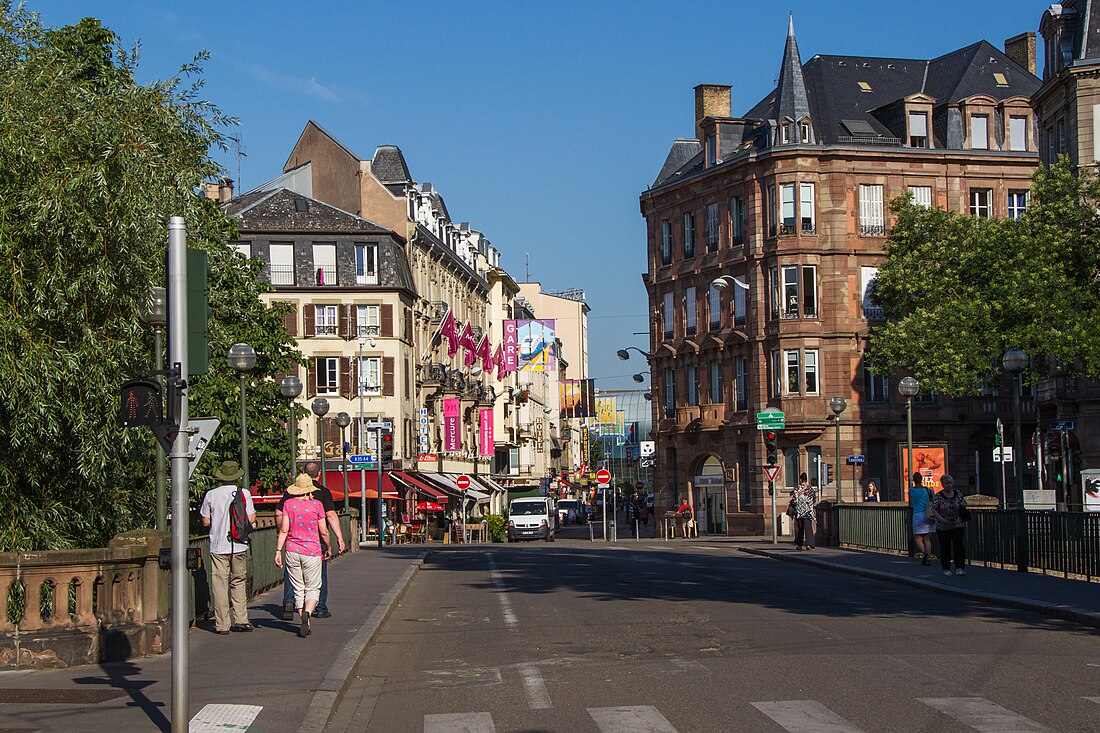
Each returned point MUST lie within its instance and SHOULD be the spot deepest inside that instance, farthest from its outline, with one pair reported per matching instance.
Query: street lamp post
(157, 317)
(909, 388)
(343, 419)
(838, 405)
(624, 354)
(1015, 361)
(290, 388)
(242, 358)
(320, 409)
(725, 281)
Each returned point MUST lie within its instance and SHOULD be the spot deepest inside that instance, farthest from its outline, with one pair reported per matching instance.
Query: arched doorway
(709, 495)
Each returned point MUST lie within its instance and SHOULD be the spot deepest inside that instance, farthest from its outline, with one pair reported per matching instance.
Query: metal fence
(1064, 543)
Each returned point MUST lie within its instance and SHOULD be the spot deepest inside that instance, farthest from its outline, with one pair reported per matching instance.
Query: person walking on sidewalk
(803, 500)
(323, 495)
(872, 492)
(301, 532)
(950, 510)
(228, 559)
(919, 496)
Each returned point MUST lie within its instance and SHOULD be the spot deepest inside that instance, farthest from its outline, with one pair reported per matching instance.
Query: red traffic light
(769, 435)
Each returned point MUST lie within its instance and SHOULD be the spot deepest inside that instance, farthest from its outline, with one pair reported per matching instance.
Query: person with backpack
(228, 512)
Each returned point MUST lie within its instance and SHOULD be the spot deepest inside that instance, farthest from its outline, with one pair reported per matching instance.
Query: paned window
(712, 150)
(367, 320)
(712, 227)
(325, 319)
(366, 264)
(282, 264)
(714, 306)
(740, 307)
(737, 220)
(689, 235)
(1017, 203)
(980, 202)
(790, 291)
(812, 386)
(867, 277)
(809, 291)
(877, 388)
(773, 214)
(670, 389)
(693, 385)
(715, 380)
(777, 373)
(668, 316)
(922, 196)
(786, 197)
(918, 130)
(689, 311)
(1052, 150)
(979, 132)
(370, 376)
(1061, 137)
(324, 262)
(806, 208)
(872, 221)
(666, 242)
(741, 374)
(790, 361)
(1017, 133)
(328, 375)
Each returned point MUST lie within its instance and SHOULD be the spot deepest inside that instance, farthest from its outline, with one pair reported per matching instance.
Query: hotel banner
(485, 433)
(452, 424)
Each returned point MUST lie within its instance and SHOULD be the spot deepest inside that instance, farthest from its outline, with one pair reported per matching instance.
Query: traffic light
(828, 473)
(387, 448)
(770, 447)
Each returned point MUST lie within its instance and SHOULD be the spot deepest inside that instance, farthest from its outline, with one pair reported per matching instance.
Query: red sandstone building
(792, 200)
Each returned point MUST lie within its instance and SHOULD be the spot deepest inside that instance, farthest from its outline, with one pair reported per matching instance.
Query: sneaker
(321, 614)
(924, 560)
(948, 573)
(288, 612)
(960, 571)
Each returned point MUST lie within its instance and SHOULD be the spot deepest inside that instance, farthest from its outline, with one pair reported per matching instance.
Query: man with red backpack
(228, 555)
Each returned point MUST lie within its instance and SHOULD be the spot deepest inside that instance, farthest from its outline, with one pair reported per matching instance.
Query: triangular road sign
(204, 429)
(771, 472)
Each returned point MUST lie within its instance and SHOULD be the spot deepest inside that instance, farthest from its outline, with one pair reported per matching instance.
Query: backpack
(239, 526)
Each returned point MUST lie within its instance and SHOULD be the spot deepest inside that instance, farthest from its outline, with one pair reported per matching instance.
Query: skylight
(301, 205)
(1000, 78)
(864, 86)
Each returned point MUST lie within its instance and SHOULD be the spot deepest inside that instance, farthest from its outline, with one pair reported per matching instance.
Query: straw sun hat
(302, 485)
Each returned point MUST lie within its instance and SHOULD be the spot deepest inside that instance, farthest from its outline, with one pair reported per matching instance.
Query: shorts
(922, 526)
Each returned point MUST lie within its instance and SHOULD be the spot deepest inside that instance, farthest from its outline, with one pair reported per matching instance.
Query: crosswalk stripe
(459, 723)
(805, 716)
(537, 696)
(983, 715)
(631, 719)
(1093, 699)
(689, 665)
(502, 594)
(221, 717)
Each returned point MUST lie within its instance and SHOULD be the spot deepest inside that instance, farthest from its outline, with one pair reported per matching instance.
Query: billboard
(605, 410)
(928, 458)
(1090, 489)
(535, 345)
(577, 398)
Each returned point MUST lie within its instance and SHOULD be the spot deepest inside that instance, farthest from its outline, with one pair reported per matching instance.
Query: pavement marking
(459, 723)
(220, 717)
(444, 678)
(631, 719)
(805, 716)
(689, 665)
(537, 696)
(1093, 699)
(502, 594)
(983, 715)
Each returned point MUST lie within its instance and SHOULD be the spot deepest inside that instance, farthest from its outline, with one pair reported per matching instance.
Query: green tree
(958, 291)
(92, 164)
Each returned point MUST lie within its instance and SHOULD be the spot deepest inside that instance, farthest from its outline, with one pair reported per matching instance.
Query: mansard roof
(283, 210)
(389, 166)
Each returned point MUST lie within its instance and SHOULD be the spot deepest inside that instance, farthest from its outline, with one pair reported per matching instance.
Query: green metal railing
(1066, 543)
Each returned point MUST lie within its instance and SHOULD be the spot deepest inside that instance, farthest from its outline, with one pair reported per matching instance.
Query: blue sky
(540, 123)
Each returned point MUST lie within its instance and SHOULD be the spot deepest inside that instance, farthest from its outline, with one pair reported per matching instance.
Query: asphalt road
(681, 638)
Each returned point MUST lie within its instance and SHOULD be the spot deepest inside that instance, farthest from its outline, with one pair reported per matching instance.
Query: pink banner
(511, 347)
(487, 447)
(452, 424)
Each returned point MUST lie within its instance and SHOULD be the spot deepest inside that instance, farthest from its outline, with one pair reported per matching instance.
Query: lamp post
(242, 358)
(909, 388)
(726, 280)
(290, 388)
(343, 419)
(1015, 361)
(156, 315)
(320, 409)
(624, 354)
(640, 376)
(838, 405)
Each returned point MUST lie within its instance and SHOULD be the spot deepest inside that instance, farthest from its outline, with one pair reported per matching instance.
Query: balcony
(325, 276)
(366, 278)
(808, 227)
(786, 229)
(437, 311)
(872, 230)
(874, 313)
(281, 274)
(369, 331)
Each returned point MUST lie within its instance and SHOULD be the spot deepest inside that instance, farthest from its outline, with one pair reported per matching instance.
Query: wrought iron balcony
(872, 230)
(281, 274)
(437, 311)
(786, 229)
(808, 227)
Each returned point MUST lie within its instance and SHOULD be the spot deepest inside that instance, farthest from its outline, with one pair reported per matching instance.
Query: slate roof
(1085, 43)
(388, 165)
(278, 211)
(790, 93)
(682, 152)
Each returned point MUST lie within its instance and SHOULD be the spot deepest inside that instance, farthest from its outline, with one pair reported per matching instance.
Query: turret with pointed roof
(791, 101)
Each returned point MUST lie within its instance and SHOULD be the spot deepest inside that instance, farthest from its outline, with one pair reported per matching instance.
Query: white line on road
(537, 696)
(805, 716)
(1093, 699)
(502, 594)
(220, 717)
(983, 715)
(459, 723)
(631, 719)
(689, 665)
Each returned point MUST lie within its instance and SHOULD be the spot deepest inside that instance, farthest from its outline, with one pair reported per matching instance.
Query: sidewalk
(295, 680)
(1048, 595)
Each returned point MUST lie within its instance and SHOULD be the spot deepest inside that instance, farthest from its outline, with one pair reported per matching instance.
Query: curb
(1065, 613)
(328, 692)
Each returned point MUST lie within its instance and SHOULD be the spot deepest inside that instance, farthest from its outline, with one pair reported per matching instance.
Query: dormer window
(979, 132)
(785, 133)
(918, 129)
(712, 150)
(804, 132)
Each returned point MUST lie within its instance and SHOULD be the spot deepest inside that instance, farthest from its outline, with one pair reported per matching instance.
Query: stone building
(764, 235)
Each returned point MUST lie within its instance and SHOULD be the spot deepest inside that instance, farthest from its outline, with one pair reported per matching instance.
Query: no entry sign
(463, 482)
(603, 476)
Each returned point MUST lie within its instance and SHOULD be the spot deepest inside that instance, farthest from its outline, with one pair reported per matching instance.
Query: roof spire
(790, 95)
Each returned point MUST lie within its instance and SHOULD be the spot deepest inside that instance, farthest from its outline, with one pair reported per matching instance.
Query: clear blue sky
(540, 123)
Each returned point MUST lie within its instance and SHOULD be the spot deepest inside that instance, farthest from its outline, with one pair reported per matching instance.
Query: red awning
(429, 506)
(421, 486)
(334, 480)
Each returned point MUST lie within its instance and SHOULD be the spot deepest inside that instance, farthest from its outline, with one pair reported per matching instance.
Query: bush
(498, 527)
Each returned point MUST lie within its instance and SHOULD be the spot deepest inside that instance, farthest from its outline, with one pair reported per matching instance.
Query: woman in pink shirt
(302, 532)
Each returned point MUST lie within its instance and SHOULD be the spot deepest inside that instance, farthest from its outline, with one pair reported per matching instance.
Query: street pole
(908, 477)
(244, 434)
(344, 450)
(839, 471)
(162, 482)
(603, 509)
(1000, 448)
(181, 588)
(362, 450)
(775, 517)
(378, 462)
(293, 440)
(1017, 449)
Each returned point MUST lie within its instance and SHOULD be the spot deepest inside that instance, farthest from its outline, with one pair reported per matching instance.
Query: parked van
(531, 518)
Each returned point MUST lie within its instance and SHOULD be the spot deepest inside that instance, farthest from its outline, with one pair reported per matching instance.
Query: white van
(531, 518)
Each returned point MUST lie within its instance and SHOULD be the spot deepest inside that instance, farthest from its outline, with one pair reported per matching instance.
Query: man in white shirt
(228, 559)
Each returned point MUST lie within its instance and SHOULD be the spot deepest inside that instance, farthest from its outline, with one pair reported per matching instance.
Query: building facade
(764, 237)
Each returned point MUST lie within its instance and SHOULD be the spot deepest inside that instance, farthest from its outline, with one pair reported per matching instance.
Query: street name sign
(856, 460)
(1062, 425)
(1005, 453)
(365, 459)
(603, 476)
(771, 472)
(387, 425)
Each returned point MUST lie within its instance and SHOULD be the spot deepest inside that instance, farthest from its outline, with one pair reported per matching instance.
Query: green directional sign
(770, 420)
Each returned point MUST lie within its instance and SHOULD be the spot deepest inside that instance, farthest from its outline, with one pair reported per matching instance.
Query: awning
(413, 481)
(491, 485)
(447, 481)
(334, 480)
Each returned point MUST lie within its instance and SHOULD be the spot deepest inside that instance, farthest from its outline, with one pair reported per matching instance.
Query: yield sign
(771, 472)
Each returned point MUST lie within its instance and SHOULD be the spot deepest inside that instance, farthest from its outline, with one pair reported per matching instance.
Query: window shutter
(387, 376)
(387, 321)
(311, 379)
(290, 320)
(343, 327)
(309, 322)
(408, 325)
(347, 386)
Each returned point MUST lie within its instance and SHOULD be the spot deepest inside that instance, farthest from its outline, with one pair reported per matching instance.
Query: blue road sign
(361, 459)
(854, 460)
(1063, 425)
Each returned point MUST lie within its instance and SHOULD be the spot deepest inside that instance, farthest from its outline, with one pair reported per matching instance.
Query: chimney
(222, 191)
(1021, 49)
(711, 100)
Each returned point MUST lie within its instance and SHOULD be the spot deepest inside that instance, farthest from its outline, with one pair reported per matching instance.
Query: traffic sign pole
(775, 517)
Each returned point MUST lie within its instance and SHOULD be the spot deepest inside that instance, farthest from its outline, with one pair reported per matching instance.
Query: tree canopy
(92, 165)
(958, 291)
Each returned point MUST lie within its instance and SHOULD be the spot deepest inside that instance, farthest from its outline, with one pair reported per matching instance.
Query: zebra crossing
(793, 716)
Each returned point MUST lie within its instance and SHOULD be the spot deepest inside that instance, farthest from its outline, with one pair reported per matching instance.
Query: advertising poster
(929, 459)
(511, 347)
(605, 410)
(485, 433)
(452, 424)
(1090, 489)
(536, 346)
(577, 398)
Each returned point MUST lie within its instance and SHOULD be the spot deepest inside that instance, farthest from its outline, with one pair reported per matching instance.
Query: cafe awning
(334, 480)
(415, 482)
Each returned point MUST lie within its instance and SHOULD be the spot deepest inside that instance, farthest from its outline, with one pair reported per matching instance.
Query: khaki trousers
(228, 589)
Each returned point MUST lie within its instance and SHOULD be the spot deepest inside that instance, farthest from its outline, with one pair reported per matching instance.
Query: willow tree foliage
(958, 291)
(92, 165)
